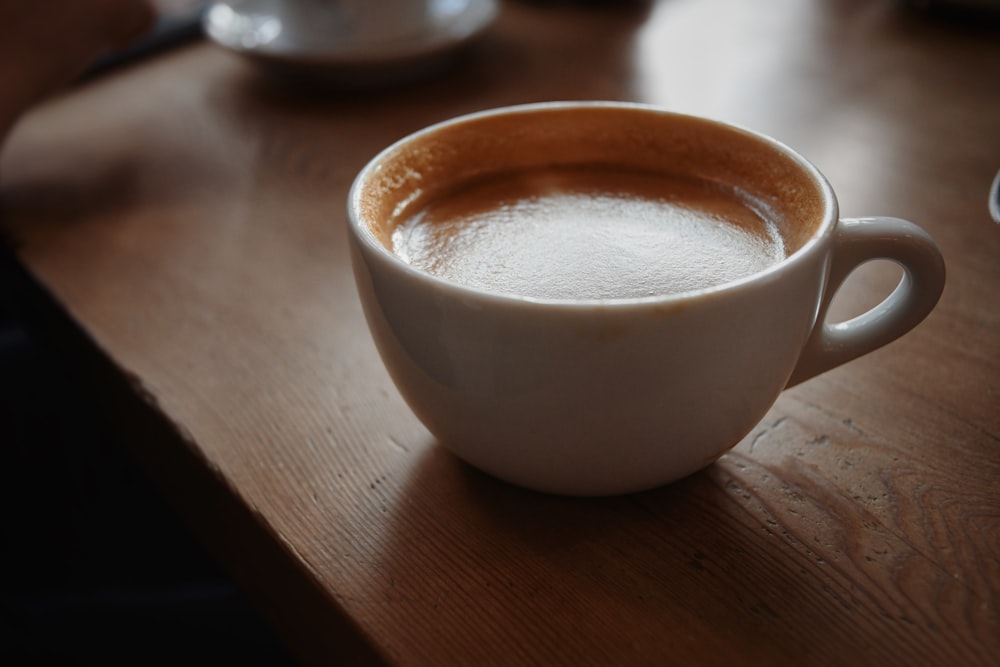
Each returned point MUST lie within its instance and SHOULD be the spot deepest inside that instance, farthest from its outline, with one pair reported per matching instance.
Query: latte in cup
(592, 298)
(588, 233)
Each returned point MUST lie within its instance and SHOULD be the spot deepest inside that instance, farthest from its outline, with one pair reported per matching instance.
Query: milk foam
(588, 234)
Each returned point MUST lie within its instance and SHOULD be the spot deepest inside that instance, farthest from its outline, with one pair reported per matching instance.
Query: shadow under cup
(591, 397)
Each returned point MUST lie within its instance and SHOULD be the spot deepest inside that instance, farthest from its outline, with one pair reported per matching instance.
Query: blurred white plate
(320, 44)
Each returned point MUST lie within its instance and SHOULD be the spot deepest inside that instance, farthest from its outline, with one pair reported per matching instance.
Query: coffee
(586, 390)
(588, 233)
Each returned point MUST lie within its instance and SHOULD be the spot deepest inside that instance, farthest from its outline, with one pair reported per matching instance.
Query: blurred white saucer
(320, 39)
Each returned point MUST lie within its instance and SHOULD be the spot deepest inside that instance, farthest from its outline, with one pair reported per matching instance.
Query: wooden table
(183, 223)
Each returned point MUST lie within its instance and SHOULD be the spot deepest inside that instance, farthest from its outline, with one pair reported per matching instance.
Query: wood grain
(186, 217)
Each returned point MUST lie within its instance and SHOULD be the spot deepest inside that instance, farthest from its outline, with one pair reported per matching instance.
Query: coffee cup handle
(857, 241)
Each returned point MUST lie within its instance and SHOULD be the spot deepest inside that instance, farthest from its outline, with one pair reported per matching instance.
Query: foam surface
(588, 234)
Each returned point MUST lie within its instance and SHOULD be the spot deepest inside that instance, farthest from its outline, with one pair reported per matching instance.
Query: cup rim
(367, 238)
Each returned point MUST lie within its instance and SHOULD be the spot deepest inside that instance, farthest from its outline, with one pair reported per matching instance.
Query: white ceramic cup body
(617, 396)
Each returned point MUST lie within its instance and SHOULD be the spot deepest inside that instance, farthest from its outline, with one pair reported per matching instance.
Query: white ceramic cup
(615, 396)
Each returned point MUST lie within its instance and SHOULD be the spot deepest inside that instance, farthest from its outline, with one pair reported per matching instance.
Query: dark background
(94, 566)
